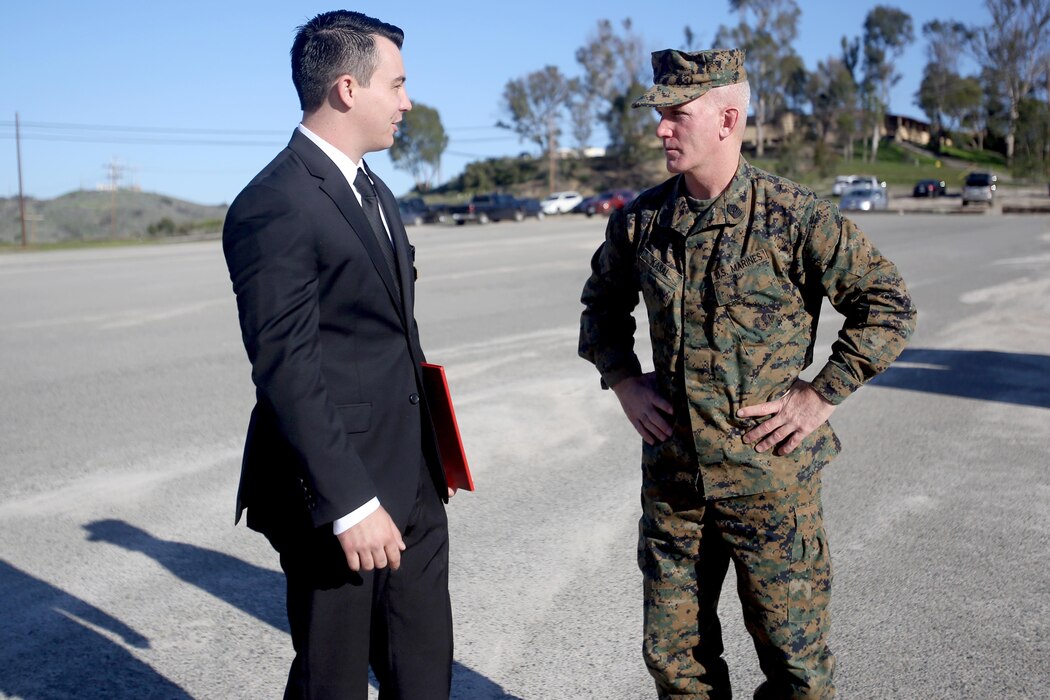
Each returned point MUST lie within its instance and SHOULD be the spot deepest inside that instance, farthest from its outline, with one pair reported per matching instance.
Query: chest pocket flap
(750, 274)
(657, 277)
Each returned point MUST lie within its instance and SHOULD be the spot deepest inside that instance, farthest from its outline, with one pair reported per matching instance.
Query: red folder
(450, 444)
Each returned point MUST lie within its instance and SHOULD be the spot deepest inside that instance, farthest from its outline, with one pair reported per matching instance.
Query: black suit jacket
(340, 416)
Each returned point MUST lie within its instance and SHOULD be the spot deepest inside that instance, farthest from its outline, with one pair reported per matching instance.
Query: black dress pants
(397, 622)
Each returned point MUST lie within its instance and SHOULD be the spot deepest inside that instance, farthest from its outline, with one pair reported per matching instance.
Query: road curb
(1032, 209)
(941, 211)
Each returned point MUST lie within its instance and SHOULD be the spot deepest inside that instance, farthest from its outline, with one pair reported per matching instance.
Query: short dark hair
(333, 44)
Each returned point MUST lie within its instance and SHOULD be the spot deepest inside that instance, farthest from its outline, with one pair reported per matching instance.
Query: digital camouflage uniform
(733, 290)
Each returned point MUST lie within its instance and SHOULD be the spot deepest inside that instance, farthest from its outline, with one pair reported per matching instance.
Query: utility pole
(551, 155)
(21, 195)
(116, 171)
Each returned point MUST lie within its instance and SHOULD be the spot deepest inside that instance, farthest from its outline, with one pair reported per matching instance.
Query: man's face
(380, 106)
(689, 132)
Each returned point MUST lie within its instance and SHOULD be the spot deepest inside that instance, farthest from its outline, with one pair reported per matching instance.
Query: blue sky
(203, 93)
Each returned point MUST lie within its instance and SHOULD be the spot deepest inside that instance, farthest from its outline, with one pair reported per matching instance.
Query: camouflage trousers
(778, 548)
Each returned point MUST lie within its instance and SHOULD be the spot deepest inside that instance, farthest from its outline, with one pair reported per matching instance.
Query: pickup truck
(484, 208)
(414, 211)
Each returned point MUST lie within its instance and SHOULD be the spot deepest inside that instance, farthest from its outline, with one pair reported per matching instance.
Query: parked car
(864, 197)
(484, 208)
(586, 202)
(929, 188)
(560, 202)
(438, 213)
(979, 187)
(845, 182)
(607, 202)
(532, 207)
(841, 183)
(414, 211)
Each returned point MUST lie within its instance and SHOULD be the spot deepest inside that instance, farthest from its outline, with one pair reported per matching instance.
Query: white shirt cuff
(354, 517)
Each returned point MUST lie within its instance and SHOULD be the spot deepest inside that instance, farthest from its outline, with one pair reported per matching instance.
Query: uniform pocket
(809, 584)
(659, 281)
(751, 299)
(735, 283)
(357, 417)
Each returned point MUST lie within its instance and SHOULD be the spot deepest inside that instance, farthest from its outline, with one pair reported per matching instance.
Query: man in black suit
(340, 466)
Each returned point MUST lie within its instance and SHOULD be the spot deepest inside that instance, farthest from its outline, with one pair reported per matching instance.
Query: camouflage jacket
(733, 294)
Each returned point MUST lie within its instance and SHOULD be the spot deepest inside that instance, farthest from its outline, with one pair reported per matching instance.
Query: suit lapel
(402, 247)
(338, 190)
(405, 267)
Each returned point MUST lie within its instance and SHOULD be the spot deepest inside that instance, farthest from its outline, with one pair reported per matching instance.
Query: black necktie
(370, 203)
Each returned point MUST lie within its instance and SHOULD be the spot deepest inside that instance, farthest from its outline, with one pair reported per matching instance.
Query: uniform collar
(727, 210)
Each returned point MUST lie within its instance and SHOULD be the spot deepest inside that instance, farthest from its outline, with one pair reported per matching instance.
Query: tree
(796, 83)
(418, 145)
(948, 99)
(964, 109)
(1031, 137)
(887, 31)
(494, 173)
(615, 71)
(690, 38)
(630, 131)
(847, 123)
(1014, 48)
(766, 32)
(611, 60)
(941, 75)
(833, 98)
(535, 105)
(581, 114)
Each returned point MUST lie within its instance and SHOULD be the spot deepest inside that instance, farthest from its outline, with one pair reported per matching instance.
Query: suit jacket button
(413, 398)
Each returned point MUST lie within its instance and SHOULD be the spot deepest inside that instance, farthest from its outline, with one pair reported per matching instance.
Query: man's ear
(343, 92)
(730, 118)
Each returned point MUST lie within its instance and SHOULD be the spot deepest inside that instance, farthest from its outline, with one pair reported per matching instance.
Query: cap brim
(669, 96)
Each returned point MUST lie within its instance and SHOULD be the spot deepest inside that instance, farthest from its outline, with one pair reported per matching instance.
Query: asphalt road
(125, 395)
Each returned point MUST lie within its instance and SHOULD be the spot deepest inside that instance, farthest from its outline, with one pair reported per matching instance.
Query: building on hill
(901, 128)
(895, 127)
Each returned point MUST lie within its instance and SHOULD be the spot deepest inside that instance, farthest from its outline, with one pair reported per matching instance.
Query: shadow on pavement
(987, 375)
(253, 589)
(257, 591)
(55, 646)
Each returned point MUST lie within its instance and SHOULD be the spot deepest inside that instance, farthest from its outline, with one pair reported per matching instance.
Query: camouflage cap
(681, 77)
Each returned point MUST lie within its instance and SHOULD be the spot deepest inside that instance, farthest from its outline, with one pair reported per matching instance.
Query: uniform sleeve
(609, 296)
(868, 290)
(273, 265)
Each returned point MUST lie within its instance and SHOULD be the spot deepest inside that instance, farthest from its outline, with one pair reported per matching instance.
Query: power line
(63, 132)
(472, 128)
(64, 138)
(70, 126)
(485, 139)
(66, 126)
(460, 154)
(147, 141)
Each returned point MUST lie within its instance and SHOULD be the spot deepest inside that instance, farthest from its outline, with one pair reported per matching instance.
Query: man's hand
(792, 417)
(451, 491)
(644, 407)
(374, 543)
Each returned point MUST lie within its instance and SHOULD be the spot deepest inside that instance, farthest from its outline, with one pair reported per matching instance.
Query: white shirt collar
(345, 163)
(346, 166)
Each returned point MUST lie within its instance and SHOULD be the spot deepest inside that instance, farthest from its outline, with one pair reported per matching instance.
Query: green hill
(98, 216)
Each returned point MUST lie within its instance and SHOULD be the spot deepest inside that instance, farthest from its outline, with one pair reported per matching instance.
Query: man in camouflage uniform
(733, 264)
